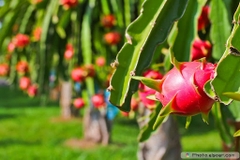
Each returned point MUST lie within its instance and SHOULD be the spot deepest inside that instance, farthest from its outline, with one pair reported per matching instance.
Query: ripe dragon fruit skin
(200, 49)
(203, 19)
(182, 89)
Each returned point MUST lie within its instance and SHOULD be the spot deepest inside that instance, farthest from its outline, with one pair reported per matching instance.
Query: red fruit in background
(32, 90)
(68, 54)
(145, 91)
(21, 40)
(146, 101)
(4, 68)
(89, 68)
(108, 21)
(69, 3)
(181, 90)
(100, 61)
(112, 38)
(24, 83)
(98, 100)
(37, 33)
(203, 19)
(22, 67)
(78, 103)
(125, 114)
(201, 49)
(79, 74)
(11, 47)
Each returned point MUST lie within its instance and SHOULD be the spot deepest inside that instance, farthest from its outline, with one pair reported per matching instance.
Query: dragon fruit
(21, 40)
(181, 90)
(200, 49)
(203, 19)
(145, 91)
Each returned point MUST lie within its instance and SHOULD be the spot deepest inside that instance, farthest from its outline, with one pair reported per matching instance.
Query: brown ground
(74, 142)
(80, 143)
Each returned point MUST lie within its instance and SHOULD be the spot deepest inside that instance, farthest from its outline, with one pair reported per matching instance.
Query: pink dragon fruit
(78, 102)
(145, 91)
(181, 90)
(68, 54)
(67, 4)
(203, 19)
(200, 49)
(21, 40)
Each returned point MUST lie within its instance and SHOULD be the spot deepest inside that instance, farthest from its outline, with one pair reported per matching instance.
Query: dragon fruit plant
(181, 90)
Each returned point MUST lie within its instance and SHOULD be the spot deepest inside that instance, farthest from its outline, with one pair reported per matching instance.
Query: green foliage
(220, 115)
(143, 36)
(227, 76)
(80, 26)
(220, 28)
(224, 87)
(187, 30)
(145, 46)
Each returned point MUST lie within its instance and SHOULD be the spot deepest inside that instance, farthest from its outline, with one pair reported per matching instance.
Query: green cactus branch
(187, 26)
(220, 28)
(43, 43)
(150, 29)
(86, 42)
(228, 69)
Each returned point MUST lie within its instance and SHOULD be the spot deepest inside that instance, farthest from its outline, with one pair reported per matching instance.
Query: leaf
(8, 22)
(150, 29)
(171, 39)
(187, 27)
(118, 11)
(43, 41)
(26, 18)
(4, 9)
(237, 134)
(188, 121)
(234, 109)
(220, 28)
(62, 24)
(228, 68)
(151, 83)
(127, 11)
(105, 7)
(86, 42)
(232, 95)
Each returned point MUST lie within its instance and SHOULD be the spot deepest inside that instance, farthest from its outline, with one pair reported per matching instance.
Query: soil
(80, 144)
(75, 143)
